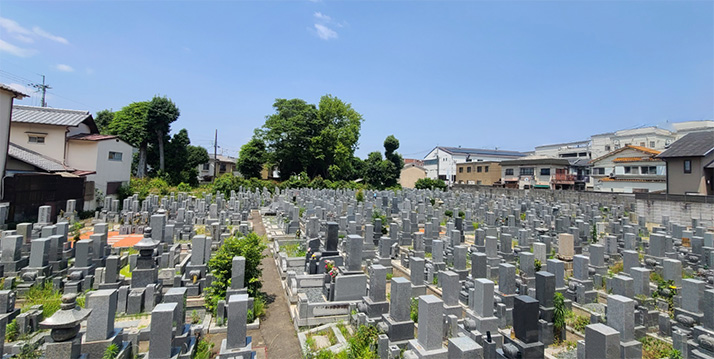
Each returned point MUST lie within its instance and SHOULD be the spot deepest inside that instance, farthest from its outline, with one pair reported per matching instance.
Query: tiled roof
(36, 159)
(635, 159)
(91, 137)
(48, 116)
(17, 94)
(644, 149)
(607, 179)
(637, 148)
(695, 144)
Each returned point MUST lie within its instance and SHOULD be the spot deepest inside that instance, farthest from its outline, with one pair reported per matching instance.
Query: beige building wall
(679, 182)
(53, 147)
(468, 173)
(409, 176)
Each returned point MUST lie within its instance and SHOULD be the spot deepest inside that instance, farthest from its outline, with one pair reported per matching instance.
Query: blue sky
(485, 74)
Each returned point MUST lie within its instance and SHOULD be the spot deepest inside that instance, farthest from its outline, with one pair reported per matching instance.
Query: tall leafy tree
(252, 158)
(391, 144)
(319, 141)
(130, 124)
(182, 159)
(161, 113)
(103, 118)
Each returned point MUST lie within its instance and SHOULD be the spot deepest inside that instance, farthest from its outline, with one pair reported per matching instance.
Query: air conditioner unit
(611, 175)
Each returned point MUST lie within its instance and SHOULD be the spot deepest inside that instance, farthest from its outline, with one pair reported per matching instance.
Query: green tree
(391, 144)
(319, 141)
(252, 158)
(130, 124)
(251, 247)
(428, 183)
(103, 118)
(182, 159)
(160, 114)
(374, 170)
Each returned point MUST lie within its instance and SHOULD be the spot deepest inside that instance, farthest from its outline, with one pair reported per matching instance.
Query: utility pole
(215, 157)
(42, 88)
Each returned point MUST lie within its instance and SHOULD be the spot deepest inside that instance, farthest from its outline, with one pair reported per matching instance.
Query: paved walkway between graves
(276, 331)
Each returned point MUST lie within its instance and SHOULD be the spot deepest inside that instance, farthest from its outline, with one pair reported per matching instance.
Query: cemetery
(384, 274)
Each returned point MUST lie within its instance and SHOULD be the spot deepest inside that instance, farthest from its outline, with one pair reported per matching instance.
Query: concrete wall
(680, 209)
(486, 178)
(6, 106)
(551, 195)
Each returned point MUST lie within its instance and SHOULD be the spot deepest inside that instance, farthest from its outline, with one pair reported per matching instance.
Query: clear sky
(485, 74)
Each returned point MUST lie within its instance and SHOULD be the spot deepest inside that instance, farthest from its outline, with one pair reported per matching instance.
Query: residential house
(411, 173)
(49, 140)
(216, 165)
(629, 169)
(690, 164)
(441, 161)
(484, 173)
(536, 172)
(7, 95)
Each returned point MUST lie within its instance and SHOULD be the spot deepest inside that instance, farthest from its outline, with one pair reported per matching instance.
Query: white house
(56, 140)
(7, 95)
(630, 169)
(441, 161)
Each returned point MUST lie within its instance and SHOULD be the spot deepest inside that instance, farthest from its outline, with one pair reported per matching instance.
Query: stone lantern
(64, 326)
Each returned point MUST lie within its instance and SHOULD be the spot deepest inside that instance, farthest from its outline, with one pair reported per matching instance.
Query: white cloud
(64, 68)
(14, 50)
(25, 39)
(39, 32)
(325, 32)
(12, 27)
(320, 16)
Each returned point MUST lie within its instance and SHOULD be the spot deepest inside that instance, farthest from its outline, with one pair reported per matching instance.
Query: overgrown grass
(576, 321)
(125, 271)
(293, 250)
(657, 349)
(203, 349)
(46, 296)
(414, 310)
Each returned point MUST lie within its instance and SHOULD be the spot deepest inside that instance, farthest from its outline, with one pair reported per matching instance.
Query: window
(478, 169)
(545, 171)
(617, 147)
(642, 144)
(37, 139)
(527, 171)
(468, 169)
(607, 148)
(113, 187)
(485, 168)
(509, 171)
(652, 144)
(478, 182)
(599, 170)
(206, 166)
(687, 166)
(115, 156)
(223, 167)
(648, 170)
(461, 170)
(631, 170)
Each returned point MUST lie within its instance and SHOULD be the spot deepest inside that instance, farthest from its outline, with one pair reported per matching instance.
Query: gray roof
(40, 161)
(50, 116)
(695, 144)
(17, 94)
(481, 151)
(536, 161)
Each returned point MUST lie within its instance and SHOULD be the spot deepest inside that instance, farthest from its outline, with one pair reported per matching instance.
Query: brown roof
(92, 137)
(634, 159)
(646, 150)
(607, 179)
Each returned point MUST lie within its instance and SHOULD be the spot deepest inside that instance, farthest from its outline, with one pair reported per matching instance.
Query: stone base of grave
(15, 266)
(96, 349)
(64, 350)
(239, 353)
(545, 332)
(109, 285)
(422, 353)
(375, 310)
(418, 290)
(41, 271)
(135, 301)
(399, 332)
(631, 349)
(481, 324)
(463, 274)
(527, 350)
(453, 310)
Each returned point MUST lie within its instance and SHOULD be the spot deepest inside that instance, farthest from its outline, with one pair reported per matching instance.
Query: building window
(545, 171)
(113, 187)
(223, 167)
(652, 144)
(468, 169)
(485, 168)
(631, 170)
(599, 170)
(607, 148)
(527, 171)
(36, 139)
(115, 156)
(509, 171)
(642, 144)
(648, 170)
(461, 170)
(687, 166)
(478, 169)
(206, 166)
(478, 182)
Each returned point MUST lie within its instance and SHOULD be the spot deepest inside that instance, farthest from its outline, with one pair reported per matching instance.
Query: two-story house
(216, 166)
(534, 173)
(690, 164)
(630, 169)
(67, 141)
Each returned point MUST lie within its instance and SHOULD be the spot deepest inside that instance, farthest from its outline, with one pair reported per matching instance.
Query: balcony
(564, 178)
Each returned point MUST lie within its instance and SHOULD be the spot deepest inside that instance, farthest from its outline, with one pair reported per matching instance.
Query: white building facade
(441, 161)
